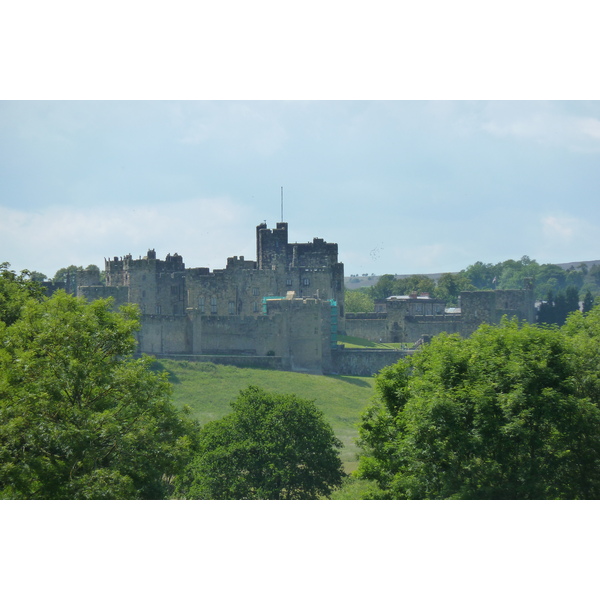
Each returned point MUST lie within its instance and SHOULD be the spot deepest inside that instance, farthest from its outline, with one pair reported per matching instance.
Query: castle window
(288, 282)
(418, 309)
(213, 305)
(255, 307)
(201, 304)
(231, 307)
(158, 309)
(306, 281)
(255, 291)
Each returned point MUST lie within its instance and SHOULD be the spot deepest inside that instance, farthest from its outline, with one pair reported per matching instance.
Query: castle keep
(282, 310)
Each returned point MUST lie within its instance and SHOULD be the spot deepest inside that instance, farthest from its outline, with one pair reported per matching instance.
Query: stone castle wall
(364, 363)
(409, 319)
(370, 326)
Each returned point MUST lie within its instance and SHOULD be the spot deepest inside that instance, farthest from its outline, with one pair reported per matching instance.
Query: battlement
(271, 246)
(233, 262)
(120, 270)
(273, 250)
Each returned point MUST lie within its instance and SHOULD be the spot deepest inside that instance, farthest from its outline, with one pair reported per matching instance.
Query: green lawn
(208, 389)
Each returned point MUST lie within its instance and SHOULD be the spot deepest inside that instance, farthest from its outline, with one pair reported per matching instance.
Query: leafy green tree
(15, 290)
(414, 283)
(482, 276)
(271, 447)
(550, 274)
(571, 299)
(514, 273)
(450, 285)
(37, 276)
(80, 418)
(560, 308)
(594, 274)
(385, 287)
(358, 301)
(546, 314)
(557, 308)
(510, 413)
(574, 278)
(588, 302)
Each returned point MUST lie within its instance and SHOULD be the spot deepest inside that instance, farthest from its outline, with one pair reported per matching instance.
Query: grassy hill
(208, 389)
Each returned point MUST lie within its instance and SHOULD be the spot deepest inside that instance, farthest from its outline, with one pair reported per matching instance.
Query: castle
(282, 310)
(288, 304)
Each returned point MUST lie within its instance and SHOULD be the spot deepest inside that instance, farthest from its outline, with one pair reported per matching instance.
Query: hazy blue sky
(401, 186)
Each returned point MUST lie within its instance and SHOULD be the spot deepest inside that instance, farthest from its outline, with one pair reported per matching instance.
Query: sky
(401, 186)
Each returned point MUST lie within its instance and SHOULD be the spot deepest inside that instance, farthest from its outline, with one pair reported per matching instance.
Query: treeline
(558, 290)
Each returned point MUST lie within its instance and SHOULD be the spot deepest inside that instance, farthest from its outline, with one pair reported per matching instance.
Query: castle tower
(272, 246)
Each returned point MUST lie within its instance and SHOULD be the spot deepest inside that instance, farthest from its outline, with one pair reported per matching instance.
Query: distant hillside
(358, 281)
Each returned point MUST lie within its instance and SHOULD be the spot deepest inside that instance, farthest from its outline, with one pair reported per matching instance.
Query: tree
(588, 302)
(483, 276)
(571, 299)
(414, 283)
(37, 276)
(384, 288)
(358, 301)
(575, 278)
(271, 447)
(15, 290)
(80, 418)
(510, 413)
(450, 285)
(514, 273)
(594, 273)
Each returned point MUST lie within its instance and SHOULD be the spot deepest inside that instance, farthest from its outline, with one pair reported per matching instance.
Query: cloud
(543, 123)
(559, 229)
(565, 238)
(204, 231)
(590, 127)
